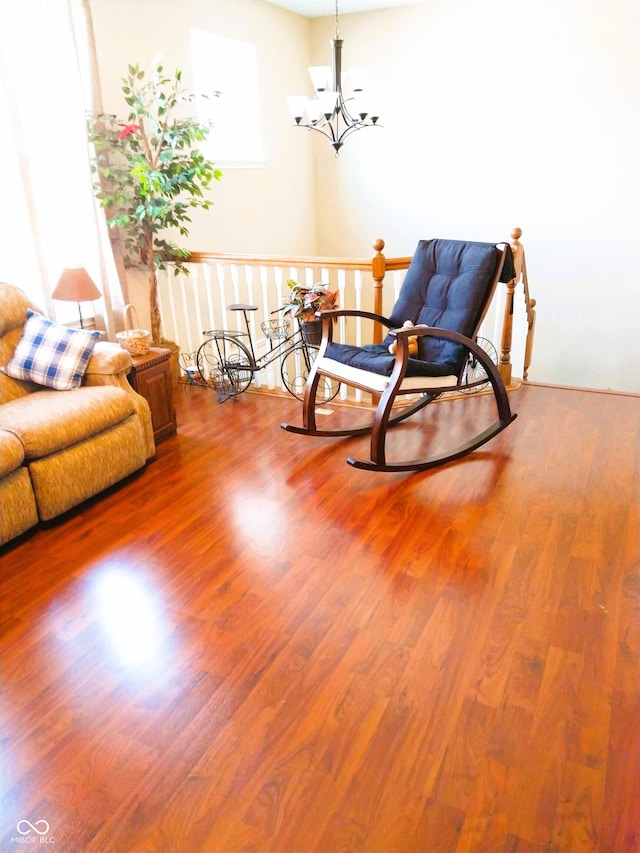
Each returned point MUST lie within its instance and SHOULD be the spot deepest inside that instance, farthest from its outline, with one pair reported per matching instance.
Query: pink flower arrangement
(305, 301)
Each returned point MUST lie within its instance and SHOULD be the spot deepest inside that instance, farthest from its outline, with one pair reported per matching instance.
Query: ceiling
(323, 8)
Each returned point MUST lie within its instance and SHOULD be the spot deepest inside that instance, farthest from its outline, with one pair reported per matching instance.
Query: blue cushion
(376, 358)
(50, 354)
(446, 286)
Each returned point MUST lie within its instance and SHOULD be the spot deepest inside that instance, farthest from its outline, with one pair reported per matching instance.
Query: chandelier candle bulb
(320, 76)
(328, 102)
(358, 79)
(297, 106)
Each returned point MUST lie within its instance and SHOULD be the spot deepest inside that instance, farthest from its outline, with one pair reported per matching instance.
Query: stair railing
(195, 303)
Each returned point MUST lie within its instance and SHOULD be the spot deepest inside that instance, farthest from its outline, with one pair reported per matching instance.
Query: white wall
(499, 114)
(495, 114)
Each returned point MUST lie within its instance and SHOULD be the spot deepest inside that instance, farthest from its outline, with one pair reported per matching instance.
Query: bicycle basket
(275, 329)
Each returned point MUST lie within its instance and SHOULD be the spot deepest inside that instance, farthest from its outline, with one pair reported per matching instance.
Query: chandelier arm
(321, 129)
(325, 124)
(343, 110)
(348, 130)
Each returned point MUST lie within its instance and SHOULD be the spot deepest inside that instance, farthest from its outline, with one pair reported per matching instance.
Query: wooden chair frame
(391, 387)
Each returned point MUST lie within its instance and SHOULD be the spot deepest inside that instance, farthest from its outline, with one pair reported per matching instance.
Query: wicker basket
(135, 341)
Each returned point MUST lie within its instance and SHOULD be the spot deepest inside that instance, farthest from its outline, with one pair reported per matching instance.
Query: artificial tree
(149, 173)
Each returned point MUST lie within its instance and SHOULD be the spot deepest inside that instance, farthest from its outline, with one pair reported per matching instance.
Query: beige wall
(495, 114)
(501, 113)
(268, 210)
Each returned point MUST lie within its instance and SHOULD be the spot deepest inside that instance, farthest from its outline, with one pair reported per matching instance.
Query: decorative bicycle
(227, 362)
(475, 376)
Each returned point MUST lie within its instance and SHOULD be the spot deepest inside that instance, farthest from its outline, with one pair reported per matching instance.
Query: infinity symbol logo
(40, 826)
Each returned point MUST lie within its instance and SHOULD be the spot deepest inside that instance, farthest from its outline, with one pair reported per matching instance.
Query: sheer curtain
(48, 215)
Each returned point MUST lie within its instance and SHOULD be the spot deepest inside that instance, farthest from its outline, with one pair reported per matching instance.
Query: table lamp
(76, 285)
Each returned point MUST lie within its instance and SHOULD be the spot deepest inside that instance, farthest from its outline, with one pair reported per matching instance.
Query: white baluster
(357, 284)
(235, 279)
(221, 270)
(207, 323)
(342, 289)
(191, 308)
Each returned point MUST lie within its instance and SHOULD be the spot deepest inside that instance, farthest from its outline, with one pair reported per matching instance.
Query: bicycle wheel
(475, 376)
(294, 370)
(225, 364)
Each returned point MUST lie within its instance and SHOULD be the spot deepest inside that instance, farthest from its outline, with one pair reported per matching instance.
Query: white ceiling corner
(324, 8)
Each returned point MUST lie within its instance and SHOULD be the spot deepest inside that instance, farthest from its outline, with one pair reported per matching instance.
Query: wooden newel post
(504, 364)
(378, 268)
(530, 304)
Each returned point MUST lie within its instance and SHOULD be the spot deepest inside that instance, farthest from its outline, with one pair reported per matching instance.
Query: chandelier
(327, 111)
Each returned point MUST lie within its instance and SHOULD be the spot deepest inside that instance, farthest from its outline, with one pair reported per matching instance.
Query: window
(47, 216)
(229, 67)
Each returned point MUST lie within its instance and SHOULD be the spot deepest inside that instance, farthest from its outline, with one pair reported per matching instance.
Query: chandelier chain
(337, 25)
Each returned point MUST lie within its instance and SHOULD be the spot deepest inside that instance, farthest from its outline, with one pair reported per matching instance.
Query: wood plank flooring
(252, 646)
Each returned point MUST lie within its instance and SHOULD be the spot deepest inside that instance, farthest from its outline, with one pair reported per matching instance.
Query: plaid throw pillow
(51, 355)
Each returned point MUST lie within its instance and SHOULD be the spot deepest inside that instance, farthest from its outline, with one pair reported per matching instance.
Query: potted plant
(149, 174)
(304, 302)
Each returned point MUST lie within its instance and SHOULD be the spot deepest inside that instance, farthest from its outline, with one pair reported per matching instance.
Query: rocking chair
(446, 293)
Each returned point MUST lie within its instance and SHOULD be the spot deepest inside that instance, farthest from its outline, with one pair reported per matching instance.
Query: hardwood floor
(253, 646)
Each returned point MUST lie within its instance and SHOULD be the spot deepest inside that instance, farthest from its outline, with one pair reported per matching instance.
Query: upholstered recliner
(59, 448)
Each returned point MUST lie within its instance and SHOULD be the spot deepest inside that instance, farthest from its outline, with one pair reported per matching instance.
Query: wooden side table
(150, 376)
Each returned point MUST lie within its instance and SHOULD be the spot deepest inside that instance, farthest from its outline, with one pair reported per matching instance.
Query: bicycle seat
(242, 307)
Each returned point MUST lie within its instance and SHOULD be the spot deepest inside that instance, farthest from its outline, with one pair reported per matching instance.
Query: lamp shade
(75, 285)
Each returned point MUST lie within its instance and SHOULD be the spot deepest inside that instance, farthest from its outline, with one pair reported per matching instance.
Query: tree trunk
(154, 310)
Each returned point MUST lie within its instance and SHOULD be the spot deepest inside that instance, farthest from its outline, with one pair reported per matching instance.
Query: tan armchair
(59, 448)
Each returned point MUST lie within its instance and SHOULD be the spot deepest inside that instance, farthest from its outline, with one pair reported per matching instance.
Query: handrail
(300, 260)
(379, 265)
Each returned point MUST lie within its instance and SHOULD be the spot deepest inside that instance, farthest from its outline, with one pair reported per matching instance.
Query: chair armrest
(402, 354)
(430, 332)
(334, 313)
(108, 359)
(411, 331)
(109, 365)
(403, 334)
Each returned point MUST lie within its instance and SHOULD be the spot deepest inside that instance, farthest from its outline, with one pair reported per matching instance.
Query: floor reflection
(132, 621)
